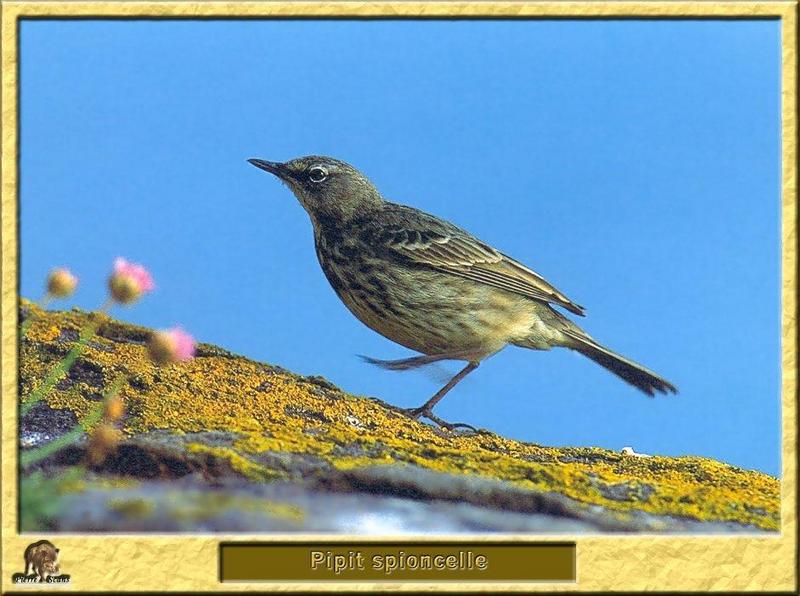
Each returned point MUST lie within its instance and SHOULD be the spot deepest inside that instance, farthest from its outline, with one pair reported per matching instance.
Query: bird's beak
(273, 167)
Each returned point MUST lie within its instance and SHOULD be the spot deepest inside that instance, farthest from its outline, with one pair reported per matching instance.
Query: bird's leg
(426, 409)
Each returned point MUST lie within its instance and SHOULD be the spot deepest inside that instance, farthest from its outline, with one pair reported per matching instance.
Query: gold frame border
(141, 562)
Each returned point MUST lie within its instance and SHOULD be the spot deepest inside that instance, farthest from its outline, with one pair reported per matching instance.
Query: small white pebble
(630, 451)
(354, 421)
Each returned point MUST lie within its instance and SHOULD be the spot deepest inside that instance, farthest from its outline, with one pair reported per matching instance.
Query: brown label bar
(397, 561)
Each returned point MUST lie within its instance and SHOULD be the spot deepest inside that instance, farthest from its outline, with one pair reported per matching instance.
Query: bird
(431, 286)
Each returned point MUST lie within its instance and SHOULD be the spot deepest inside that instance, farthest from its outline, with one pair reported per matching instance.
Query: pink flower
(129, 281)
(61, 283)
(173, 345)
(184, 344)
(137, 272)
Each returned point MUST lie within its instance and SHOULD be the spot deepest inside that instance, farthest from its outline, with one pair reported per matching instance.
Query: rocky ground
(223, 443)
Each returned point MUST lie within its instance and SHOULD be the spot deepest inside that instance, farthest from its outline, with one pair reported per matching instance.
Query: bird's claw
(417, 413)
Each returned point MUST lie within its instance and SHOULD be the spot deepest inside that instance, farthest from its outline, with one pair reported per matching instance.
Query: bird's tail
(637, 375)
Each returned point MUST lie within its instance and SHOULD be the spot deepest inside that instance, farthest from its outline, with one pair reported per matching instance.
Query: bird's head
(330, 190)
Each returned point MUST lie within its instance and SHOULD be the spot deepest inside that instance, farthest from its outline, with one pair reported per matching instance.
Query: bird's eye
(317, 174)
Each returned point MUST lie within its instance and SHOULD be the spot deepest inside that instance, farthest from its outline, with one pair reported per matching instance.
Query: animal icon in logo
(41, 558)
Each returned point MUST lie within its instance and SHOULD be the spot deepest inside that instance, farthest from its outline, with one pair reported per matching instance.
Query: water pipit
(430, 286)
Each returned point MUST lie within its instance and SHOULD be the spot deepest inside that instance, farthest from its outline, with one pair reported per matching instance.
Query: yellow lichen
(273, 411)
(239, 463)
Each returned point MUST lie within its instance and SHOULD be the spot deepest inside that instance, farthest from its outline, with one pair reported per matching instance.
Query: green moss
(276, 411)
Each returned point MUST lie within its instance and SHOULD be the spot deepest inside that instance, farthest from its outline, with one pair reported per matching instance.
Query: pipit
(430, 286)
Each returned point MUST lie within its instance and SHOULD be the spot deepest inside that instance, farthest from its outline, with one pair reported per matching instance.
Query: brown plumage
(430, 285)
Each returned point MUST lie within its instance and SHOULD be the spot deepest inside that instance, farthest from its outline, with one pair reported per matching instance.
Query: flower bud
(114, 408)
(61, 283)
(124, 289)
(103, 441)
(174, 345)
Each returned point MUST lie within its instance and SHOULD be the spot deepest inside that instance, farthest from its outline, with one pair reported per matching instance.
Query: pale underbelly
(436, 313)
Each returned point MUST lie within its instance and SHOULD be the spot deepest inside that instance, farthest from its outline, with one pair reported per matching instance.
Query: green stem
(62, 367)
(27, 458)
(59, 369)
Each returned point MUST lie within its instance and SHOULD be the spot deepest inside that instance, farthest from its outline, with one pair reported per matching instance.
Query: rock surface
(223, 443)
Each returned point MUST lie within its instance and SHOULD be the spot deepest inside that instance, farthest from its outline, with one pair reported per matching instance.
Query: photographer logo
(41, 565)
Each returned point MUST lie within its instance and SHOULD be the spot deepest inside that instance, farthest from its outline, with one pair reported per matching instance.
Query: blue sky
(634, 164)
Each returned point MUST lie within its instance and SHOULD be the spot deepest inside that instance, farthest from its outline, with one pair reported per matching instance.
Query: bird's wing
(427, 240)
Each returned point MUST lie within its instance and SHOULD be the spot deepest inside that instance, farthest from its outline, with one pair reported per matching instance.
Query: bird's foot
(451, 426)
(417, 413)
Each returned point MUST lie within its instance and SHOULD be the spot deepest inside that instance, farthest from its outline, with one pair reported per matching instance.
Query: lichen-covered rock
(221, 417)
